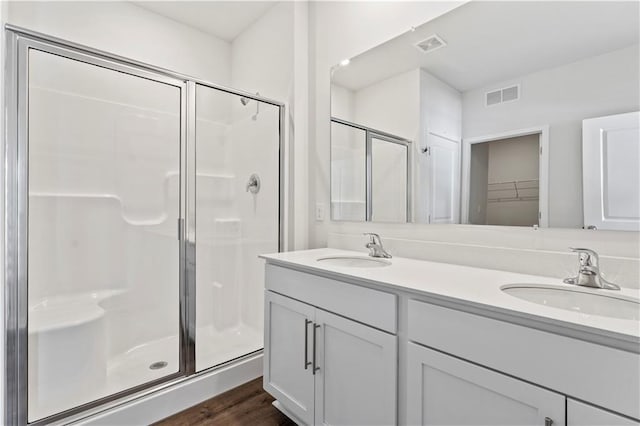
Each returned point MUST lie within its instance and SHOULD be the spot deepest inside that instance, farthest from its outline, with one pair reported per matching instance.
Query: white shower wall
(233, 225)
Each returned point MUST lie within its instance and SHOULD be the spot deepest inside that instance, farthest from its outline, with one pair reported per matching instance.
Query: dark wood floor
(245, 405)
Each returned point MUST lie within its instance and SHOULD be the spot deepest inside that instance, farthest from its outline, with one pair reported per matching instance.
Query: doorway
(506, 179)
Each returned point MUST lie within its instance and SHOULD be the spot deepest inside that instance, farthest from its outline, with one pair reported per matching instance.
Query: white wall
(514, 159)
(130, 31)
(342, 103)
(262, 55)
(561, 97)
(261, 61)
(391, 105)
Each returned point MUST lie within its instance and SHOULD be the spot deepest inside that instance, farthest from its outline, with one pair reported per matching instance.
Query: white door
(443, 390)
(287, 357)
(581, 414)
(444, 179)
(356, 380)
(611, 172)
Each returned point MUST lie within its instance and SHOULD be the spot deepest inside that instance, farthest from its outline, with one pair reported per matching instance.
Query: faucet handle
(586, 255)
(373, 237)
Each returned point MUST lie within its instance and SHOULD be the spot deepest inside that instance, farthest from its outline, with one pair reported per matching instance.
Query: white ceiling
(221, 19)
(489, 42)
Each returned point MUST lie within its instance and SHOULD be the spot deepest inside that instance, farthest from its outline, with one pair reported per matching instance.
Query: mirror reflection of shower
(245, 101)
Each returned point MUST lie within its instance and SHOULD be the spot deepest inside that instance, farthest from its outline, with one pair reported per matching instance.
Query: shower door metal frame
(15, 221)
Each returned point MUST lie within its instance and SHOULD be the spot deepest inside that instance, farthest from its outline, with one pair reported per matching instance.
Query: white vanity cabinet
(325, 369)
(444, 390)
(387, 355)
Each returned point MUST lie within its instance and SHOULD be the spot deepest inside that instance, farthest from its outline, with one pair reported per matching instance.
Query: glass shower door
(237, 218)
(389, 179)
(103, 250)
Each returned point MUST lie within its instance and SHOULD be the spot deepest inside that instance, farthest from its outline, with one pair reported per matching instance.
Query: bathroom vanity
(351, 339)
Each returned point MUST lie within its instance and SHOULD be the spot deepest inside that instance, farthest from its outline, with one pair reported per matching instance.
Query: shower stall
(137, 201)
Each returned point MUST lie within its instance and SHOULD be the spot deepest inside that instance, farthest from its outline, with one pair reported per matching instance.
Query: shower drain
(158, 365)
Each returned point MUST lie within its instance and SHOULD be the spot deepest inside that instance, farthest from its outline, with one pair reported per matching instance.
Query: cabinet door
(581, 414)
(356, 380)
(287, 354)
(443, 390)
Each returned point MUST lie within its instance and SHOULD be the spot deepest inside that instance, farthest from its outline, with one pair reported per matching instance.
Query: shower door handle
(306, 343)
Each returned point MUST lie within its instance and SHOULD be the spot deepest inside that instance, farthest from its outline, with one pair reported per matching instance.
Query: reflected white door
(611, 172)
(444, 180)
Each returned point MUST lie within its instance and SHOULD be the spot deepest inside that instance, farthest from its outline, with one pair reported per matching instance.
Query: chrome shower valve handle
(253, 185)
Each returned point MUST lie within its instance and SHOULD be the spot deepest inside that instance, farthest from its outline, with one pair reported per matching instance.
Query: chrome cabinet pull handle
(315, 367)
(548, 421)
(306, 343)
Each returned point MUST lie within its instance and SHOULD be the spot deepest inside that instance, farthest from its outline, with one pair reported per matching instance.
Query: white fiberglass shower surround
(133, 224)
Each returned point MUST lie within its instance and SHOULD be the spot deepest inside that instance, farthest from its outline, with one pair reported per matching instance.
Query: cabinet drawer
(605, 376)
(371, 307)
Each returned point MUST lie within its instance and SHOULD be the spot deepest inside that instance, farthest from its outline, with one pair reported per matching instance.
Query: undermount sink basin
(605, 304)
(354, 261)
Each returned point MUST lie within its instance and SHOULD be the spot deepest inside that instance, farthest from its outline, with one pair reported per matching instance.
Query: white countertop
(466, 285)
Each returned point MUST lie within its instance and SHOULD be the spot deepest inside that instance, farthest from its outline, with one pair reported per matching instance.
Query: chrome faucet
(589, 271)
(375, 246)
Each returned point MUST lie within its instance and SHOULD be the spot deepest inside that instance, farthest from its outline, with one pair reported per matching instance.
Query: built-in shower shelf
(157, 220)
(216, 175)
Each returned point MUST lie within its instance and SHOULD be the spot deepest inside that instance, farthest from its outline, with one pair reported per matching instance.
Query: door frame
(543, 168)
(15, 221)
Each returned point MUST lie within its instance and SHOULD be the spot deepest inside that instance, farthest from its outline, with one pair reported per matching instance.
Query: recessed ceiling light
(345, 62)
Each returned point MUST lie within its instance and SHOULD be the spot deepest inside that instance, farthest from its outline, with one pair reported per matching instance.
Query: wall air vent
(499, 96)
(431, 43)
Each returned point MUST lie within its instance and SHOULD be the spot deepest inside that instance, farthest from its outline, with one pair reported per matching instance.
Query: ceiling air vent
(431, 43)
(499, 96)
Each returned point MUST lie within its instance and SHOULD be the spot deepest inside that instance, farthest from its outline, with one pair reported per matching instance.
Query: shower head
(244, 100)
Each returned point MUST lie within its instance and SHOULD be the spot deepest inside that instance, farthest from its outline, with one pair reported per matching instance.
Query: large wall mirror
(496, 113)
